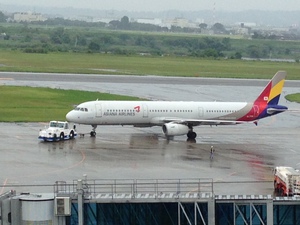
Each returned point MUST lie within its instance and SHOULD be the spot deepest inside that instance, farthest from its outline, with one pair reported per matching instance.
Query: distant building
(2, 36)
(246, 24)
(243, 28)
(243, 31)
(153, 21)
(179, 22)
(28, 17)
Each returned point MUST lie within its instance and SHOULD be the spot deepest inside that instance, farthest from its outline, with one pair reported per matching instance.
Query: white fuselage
(148, 113)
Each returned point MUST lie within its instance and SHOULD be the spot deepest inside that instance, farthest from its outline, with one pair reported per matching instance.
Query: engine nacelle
(174, 129)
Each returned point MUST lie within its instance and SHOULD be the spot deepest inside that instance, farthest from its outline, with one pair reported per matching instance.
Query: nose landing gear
(93, 132)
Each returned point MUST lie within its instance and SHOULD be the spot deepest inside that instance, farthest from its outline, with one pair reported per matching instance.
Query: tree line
(127, 38)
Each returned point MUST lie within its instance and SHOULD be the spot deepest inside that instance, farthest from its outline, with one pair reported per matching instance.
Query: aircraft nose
(70, 116)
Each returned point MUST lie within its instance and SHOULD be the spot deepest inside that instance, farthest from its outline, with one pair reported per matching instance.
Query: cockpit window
(81, 109)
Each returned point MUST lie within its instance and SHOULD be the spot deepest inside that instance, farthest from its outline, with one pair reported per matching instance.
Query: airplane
(179, 117)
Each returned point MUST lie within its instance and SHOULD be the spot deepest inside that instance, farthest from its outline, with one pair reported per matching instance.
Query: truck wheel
(62, 136)
(71, 135)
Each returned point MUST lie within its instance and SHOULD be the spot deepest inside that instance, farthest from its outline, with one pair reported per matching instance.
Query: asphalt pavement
(242, 162)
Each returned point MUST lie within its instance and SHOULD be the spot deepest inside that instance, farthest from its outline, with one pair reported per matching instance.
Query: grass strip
(293, 97)
(84, 63)
(31, 104)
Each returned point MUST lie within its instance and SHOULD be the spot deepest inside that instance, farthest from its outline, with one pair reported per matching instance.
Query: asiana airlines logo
(137, 108)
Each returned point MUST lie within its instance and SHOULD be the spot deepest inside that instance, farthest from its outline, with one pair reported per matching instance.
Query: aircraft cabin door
(145, 111)
(255, 110)
(98, 110)
(200, 112)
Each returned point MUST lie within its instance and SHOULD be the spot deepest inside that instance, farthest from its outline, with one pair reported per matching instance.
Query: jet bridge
(184, 201)
(176, 202)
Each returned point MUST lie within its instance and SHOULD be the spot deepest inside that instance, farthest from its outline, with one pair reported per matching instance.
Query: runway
(242, 162)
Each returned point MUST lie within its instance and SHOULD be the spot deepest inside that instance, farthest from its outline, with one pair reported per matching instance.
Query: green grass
(137, 65)
(293, 97)
(28, 104)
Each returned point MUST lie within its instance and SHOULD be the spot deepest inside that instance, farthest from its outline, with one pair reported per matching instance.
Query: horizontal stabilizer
(274, 110)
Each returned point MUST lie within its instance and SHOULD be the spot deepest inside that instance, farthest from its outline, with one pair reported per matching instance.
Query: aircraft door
(145, 111)
(255, 110)
(98, 110)
(200, 112)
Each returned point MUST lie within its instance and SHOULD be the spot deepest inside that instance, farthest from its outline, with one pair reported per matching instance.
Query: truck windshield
(61, 125)
(57, 124)
(53, 124)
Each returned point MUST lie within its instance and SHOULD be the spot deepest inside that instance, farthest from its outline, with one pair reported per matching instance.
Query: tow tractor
(286, 181)
(58, 131)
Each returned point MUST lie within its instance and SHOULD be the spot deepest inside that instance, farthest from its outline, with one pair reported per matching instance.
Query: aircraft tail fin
(271, 93)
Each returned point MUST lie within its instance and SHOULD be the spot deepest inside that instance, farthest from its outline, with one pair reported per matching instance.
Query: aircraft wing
(196, 122)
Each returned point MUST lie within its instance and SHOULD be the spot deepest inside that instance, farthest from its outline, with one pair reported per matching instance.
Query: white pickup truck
(57, 131)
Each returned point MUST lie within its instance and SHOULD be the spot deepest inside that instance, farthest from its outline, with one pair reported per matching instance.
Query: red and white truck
(286, 181)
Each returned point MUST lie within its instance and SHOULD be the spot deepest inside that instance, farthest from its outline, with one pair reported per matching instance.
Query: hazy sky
(161, 5)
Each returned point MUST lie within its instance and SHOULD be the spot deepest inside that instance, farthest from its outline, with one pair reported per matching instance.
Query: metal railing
(138, 187)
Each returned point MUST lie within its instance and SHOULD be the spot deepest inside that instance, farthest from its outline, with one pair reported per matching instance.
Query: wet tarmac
(242, 162)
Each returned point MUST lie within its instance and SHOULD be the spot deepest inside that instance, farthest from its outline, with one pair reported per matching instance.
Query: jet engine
(174, 129)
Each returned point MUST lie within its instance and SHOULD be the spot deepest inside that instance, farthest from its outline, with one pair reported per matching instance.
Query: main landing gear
(93, 132)
(191, 134)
